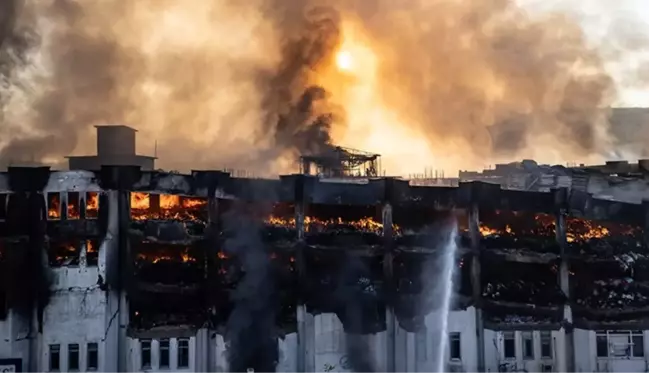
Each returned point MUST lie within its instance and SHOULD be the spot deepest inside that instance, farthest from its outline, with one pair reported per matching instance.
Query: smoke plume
(253, 84)
(251, 332)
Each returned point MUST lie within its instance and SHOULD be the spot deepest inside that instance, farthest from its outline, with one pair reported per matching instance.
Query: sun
(344, 61)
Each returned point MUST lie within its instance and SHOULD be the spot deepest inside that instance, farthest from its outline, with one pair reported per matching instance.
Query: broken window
(509, 345)
(74, 203)
(528, 345)
(73, 356)
(145, 206)
(93, 356)
(455, 346)
(164, 353)
(546, 344)
(421, 350)
(518, 230)
(64, 253)
(516, 282)
(92, 252)
(55, 358)
(620, 344)
(183, 353)
(92, 205)
(54, 206)
(145, 347)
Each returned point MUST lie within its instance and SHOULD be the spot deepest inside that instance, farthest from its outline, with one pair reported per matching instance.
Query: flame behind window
(167, 207)
(53, 206)
(92, 205)
(74, 211)
(313, 224)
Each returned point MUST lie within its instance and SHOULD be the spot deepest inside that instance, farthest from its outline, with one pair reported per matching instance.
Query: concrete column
(107, 267)
(391, 320)
(123, 264)
(305, 321)
(476, 283)
(564, 281)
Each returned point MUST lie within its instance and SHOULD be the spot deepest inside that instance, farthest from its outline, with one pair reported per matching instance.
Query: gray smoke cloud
(485, 77)
(251, 331)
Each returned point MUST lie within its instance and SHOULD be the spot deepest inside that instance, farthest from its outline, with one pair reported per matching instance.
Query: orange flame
(92, 205)
(366, 224)
(90, 247)
(183, 256)
(54, 206)
(169, 201)
(73, 206)
(140, 201)
(171, 207)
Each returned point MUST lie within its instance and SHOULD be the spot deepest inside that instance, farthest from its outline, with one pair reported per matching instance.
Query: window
(528, 345)
(73, 356)
(620, 344)
(74, 211)
(546, 344)
(164, 353)
(183, 353)
(55, 358)
(455, 351)
(93, 356)
(637, 340)
(510, 345)
(421, 349)
(145, 346)
(602, 344)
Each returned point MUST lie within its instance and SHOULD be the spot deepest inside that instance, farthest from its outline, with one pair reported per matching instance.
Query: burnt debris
(240, 255)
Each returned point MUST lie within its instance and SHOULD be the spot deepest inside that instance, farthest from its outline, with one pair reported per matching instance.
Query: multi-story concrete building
(129, 270)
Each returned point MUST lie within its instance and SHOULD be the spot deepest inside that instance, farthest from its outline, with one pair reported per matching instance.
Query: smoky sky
(238, 84)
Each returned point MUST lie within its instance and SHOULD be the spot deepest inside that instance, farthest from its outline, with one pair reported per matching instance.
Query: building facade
(77, 230)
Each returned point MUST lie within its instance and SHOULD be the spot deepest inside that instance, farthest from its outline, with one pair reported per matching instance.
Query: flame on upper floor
(313, 224)
(170, 207)
(577, 230)
(181, 255)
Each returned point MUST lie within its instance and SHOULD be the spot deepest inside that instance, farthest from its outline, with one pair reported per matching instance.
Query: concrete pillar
(118, 180)
(305, 321)
(391, 320)
(564, 281)
(107, 251)
(476, 283)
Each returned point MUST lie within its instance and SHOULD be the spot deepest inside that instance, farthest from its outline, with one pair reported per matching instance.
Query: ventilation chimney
(115, 141)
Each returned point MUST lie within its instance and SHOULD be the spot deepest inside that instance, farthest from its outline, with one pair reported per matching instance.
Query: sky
(599, 18)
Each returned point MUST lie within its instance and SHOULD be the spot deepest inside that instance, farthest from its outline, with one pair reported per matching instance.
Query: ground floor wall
(75, 324)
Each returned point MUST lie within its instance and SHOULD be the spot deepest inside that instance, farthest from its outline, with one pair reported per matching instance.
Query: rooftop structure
(115, 147)
(340, 162)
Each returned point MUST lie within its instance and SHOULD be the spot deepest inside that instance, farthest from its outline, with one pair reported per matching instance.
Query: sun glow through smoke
(372, 124)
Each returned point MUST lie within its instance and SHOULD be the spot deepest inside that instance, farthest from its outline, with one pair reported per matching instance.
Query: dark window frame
(145, 345)
(546, 344)
(74, 357)
(92, 348)
(164, 347)
(182, 345)
(55, 350)
(509, 338)
(527, 339)
(455, 338)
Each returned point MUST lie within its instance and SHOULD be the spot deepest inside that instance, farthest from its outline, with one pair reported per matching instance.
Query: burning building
(123, 269)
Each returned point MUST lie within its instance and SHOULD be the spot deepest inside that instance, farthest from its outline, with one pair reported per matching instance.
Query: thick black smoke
(251, 333)
(300, 113)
